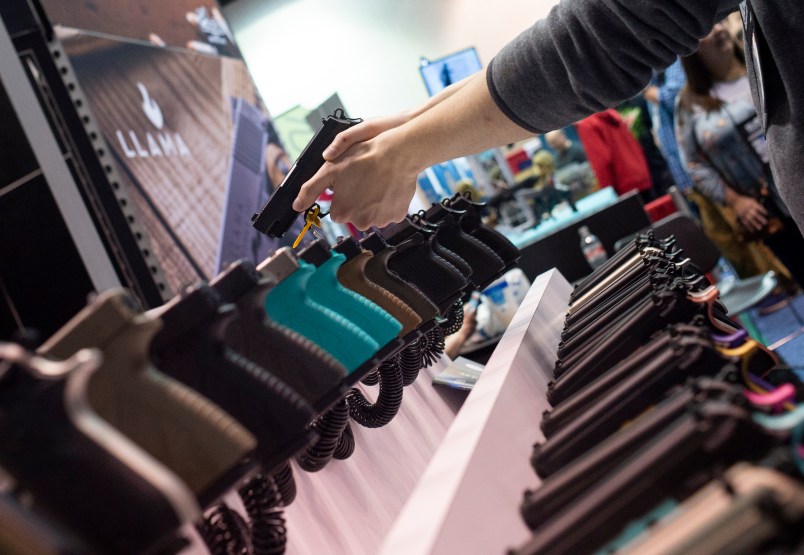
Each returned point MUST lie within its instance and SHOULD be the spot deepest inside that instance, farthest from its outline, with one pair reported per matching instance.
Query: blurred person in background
(552, 192)
(636, 113)
(721, 140)
(662, 94)
(615, 155)
(567, 151)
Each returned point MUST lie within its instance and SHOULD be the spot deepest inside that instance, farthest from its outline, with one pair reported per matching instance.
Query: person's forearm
(730, 196)
(750, 212)
(465, 122)
(651, 94)
(588, 55)
(454, 342)
(374, 127)
(708, 183)
(444, 94)
(674, 79)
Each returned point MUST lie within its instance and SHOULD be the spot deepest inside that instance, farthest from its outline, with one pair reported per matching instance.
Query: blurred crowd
(695, 128)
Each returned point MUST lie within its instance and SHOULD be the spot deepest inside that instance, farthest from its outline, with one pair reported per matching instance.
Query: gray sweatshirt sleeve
(588, 55)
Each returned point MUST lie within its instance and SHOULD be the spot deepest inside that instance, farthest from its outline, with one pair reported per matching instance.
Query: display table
(349, 506)
(467, 499)
(433, 481)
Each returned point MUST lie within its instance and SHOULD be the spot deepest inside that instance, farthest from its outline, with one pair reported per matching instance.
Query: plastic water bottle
(592, 248)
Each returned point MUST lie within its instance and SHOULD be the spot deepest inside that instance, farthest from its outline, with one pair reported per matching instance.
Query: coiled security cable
(346, 444)
(454, 319)
(263, 502)
(225, 532)
(409, 361)
(371, 379)
(329, 428)
(285, 484)
(433, 346)
(389, 398)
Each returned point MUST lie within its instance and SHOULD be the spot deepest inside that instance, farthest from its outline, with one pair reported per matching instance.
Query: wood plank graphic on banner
(168, 120)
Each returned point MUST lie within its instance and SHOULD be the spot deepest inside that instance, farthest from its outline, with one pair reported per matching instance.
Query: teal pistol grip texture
(289, 305)
(324, 288)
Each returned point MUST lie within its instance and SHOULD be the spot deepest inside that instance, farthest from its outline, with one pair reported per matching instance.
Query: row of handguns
(125, 424)
(671, 430)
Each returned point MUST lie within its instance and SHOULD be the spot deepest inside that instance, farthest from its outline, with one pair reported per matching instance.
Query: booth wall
(301, 51)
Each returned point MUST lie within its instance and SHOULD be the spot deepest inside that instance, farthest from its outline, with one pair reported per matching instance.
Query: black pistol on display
(278, 215)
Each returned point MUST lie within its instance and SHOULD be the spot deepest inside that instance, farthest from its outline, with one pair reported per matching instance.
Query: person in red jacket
(614, 154)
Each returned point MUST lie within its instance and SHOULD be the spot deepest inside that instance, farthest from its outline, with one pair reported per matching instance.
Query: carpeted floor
(771, 328)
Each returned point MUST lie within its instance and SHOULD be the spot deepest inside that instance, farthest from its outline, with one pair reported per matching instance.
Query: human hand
(651, 94)
(362, 132)
(373, 182)
(454, 342)
(469, 321)
(751, 213)
(371, 128)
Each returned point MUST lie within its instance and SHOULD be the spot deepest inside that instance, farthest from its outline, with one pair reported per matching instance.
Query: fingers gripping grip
(278, 215)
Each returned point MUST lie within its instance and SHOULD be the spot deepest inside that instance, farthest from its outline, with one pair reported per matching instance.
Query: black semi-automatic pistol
(278, 214)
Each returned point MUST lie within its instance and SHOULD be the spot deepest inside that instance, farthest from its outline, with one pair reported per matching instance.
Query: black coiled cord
(346, 444)
(424, 347)
(389, 398)
(454, 319)
(225, 532)
(329, 428)
(285, 484)
(263, 501)
(371, 379)
(434, 341)
(409, 361)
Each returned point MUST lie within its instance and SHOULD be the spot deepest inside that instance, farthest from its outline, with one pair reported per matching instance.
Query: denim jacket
(717, 153)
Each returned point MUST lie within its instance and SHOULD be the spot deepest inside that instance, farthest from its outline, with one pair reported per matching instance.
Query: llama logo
(151, 108)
